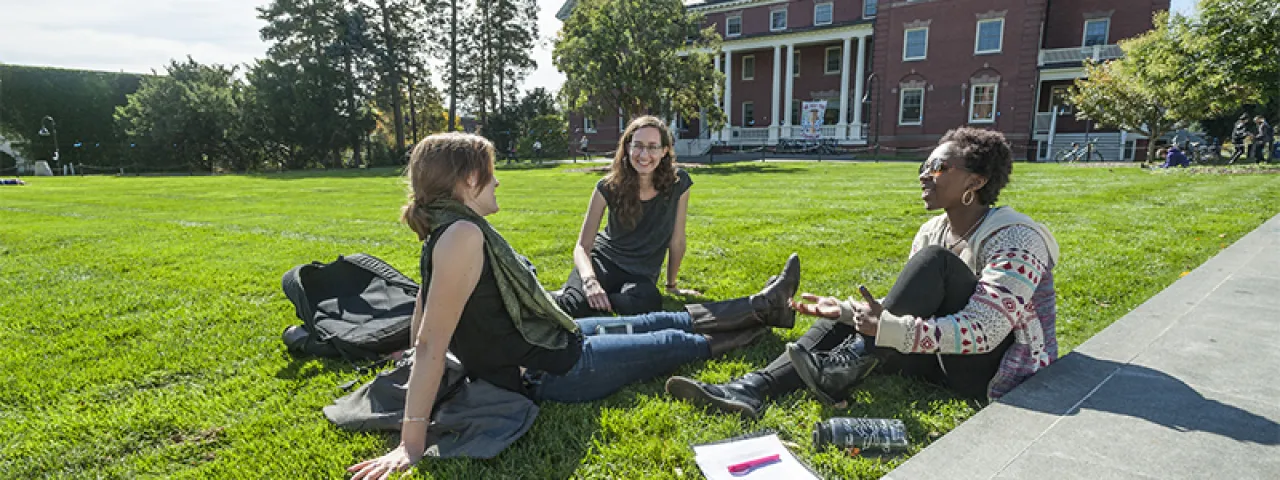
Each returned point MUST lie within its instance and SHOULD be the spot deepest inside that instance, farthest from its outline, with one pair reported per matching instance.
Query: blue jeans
(659, 343)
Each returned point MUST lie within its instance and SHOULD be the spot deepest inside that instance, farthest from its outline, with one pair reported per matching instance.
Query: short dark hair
(986, 153)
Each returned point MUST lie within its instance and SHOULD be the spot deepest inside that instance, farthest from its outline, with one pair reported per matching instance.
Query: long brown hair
(438, 166)
(623, 181)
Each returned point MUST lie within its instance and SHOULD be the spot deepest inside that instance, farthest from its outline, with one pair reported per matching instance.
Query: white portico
(839, 80)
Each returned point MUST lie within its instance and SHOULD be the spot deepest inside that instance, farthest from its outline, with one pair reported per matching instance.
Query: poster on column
(811, 116)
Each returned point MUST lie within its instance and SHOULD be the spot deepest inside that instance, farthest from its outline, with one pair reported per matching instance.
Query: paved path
(1187, 385)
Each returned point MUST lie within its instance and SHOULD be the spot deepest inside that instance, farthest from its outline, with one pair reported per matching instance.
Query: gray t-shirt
(640, 250)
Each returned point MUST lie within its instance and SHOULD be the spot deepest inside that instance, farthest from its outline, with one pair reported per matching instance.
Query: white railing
(1078, 54)
(1043, 121)
(692, 147)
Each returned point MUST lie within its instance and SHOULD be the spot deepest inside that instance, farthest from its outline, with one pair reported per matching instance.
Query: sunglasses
(934, 167)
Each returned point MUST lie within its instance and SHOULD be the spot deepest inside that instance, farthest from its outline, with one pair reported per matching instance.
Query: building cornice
(720, 6)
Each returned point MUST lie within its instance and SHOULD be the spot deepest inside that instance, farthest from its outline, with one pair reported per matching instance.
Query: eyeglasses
(638, 148)
(934, 167)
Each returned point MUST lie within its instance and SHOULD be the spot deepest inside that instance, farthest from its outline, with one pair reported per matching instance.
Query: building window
(795, 64)
(749, 67)
(990, 36)
(982, 103)
(733, 26)
(1060, 97)
(915, 44)
(822, 14)
(911, 106)
(588, 125)
(833, 61)
(1095, 31)
(778, 20)
(868, 8)
(748, 114)
(795, 111)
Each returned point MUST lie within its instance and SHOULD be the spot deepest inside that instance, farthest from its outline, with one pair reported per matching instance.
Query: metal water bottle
(861, 434)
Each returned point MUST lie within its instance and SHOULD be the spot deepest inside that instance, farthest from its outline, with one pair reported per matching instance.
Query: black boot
(722, 342)
(744, 396)
(770, 307)
(830, 375)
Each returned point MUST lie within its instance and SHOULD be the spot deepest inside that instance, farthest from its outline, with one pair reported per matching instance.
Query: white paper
(714, 460)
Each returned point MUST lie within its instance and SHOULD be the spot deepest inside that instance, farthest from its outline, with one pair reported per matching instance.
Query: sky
(142, 35)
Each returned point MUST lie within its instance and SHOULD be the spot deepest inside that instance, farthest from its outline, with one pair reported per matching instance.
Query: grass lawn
(141, 316)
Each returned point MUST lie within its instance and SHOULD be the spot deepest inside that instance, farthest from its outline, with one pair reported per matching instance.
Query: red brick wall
(1129, 18)
(755, 19)
(950, 65)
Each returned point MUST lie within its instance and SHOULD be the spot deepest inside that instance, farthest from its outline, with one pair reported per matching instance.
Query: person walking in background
(582, 147)
(1262, 140)
(1238, 133)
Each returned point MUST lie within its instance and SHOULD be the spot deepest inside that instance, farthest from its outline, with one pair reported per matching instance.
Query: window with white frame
(1095, 31)
(795, 64)
(748, 114)
(915, 45)
(778, 20)
(910, 106)
(1060, 101)
(990, 36)
(748, 67)
(822, 14)
(833, 61)
(982, 103)
(588, 125)
(868, 8)
(733, 26)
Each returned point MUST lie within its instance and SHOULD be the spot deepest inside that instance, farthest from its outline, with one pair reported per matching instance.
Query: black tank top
(487, 341)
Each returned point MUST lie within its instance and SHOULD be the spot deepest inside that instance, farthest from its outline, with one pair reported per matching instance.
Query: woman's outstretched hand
(866, 316)
(826, 307)
(380, 468)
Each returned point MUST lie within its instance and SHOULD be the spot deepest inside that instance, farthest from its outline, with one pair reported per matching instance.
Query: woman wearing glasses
(973, 309)
(646, 198)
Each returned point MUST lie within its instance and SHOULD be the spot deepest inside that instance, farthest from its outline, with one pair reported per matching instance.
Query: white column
(715, 135)
(728, 96)
(842, 130)
(786, 106)
(777, 92)
(859, 84)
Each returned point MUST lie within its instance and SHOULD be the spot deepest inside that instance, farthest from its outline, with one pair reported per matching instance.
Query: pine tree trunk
(413, 110)
(394, 74)
(453, 66)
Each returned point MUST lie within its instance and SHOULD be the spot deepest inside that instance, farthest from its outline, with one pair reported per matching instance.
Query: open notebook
(715, 459)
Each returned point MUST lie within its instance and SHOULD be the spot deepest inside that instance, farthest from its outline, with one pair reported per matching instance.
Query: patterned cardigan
(1013, 257)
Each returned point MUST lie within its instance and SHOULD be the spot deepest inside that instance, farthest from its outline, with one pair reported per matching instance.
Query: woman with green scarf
(482, 303)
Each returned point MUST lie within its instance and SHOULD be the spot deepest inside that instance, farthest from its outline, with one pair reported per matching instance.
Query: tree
(1159, 83)
(192, 109)
(548, 129)
(619, 55)
(1242, 40)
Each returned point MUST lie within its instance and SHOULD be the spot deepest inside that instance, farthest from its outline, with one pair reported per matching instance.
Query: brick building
(902, 73)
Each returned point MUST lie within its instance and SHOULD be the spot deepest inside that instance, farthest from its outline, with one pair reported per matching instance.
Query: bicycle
(1076, 154)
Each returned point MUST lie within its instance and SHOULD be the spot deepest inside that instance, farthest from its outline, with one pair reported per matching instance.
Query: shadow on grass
(375, 172)
(740, 168)
(502, 165)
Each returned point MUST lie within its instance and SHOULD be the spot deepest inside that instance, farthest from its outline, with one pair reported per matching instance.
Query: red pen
(749, 465)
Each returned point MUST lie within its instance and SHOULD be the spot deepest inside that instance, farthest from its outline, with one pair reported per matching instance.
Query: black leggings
(934, 282)
(629, 294)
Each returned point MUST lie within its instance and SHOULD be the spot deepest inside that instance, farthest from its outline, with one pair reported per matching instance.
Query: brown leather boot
(722, 342)
(769, 307)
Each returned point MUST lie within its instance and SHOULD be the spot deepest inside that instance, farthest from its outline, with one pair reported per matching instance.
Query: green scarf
(535, 314)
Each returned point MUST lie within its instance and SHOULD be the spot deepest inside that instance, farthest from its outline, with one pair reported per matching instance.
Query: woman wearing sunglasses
(973, 309)
(646, 198)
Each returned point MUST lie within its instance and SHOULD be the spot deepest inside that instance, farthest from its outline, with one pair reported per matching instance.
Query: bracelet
(671, 286)
(415, 419)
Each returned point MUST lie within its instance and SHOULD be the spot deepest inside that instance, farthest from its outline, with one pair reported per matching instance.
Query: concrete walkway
(1185, 386)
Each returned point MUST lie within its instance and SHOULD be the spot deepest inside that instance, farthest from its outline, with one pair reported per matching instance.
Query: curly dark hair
(986, 153)
(624, 182)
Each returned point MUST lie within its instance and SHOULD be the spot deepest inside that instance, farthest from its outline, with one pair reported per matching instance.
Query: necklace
(966, 234)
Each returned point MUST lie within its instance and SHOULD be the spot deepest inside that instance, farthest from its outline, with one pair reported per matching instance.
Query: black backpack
(357, 307)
